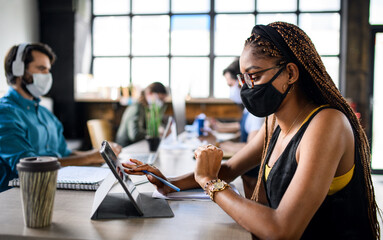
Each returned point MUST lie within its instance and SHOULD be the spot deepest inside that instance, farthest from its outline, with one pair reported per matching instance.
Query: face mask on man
(263, 99)
(42, 83)
(235, 94)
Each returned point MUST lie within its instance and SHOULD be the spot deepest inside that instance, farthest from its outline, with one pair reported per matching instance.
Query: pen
(162, 180)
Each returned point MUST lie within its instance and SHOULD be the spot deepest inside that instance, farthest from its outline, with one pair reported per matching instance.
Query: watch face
(219, 185)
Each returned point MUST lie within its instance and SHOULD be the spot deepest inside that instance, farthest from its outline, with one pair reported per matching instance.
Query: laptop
(130, 203)
(150, 158)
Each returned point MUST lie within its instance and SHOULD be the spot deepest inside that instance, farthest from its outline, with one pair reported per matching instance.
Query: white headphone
(18, 64)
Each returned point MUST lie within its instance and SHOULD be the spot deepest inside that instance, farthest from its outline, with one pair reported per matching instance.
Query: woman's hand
(208, 163)
(136, 167)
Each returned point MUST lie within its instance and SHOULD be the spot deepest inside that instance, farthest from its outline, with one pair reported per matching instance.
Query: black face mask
(263, 99)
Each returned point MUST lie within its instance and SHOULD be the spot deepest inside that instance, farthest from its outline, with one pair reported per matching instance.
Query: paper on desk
(191, 194)
(82, 174)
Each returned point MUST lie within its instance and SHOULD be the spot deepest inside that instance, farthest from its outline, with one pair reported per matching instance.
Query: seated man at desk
(26, 128)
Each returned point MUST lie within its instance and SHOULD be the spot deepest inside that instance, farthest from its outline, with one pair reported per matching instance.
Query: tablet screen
(116, 167)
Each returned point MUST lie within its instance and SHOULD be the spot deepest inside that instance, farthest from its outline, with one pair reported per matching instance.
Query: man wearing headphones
(26, 128)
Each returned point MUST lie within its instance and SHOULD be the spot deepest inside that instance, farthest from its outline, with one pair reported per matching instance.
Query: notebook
(130, 203)
(76, 178)
(150, 158)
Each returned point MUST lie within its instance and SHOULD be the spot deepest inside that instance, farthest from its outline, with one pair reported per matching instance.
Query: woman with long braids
(315, 179)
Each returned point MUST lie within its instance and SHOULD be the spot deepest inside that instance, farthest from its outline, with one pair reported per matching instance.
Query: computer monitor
(179, 111)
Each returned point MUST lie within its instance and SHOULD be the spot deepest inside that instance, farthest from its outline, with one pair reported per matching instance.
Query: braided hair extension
(266, 142)
(318, 84)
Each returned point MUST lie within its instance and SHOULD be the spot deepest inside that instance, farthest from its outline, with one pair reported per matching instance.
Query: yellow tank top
(338, 183)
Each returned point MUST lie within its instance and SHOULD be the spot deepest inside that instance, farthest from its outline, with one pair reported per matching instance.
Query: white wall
(19, 23)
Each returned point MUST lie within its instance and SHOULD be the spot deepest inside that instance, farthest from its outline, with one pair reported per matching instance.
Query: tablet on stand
(129, 204)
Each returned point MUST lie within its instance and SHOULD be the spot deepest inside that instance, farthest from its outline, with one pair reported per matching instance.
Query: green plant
(154, 114)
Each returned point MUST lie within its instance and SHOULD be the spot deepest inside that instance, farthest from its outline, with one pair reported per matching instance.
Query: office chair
(99, 130)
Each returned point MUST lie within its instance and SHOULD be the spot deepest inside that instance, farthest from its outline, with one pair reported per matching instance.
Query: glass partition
(323, 5)
(149, 6)
(103, 7)
(234, 6)
(111, 36)
(191, 76)
(276, 5)
(231, 31)
(182, 6)
(146, 70)
(266, 18)
(190, 35)
(324, 31)
(221, 89)
(376, 16)
(109, 75)
(150, 35)
(332, 66)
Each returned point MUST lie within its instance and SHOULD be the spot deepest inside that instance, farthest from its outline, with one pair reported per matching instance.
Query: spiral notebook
(76, 178)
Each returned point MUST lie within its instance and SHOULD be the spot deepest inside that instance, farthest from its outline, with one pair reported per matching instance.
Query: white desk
(72, 209)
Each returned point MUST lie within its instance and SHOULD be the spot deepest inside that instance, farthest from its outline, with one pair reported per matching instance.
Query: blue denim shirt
(26, 129)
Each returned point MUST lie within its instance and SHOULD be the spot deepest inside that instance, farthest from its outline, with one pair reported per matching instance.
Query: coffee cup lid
(38, 164)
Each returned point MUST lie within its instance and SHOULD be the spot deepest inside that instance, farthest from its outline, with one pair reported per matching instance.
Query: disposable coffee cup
(38, 178)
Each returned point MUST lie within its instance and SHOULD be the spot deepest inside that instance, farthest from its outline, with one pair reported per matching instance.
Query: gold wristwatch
(215, 185)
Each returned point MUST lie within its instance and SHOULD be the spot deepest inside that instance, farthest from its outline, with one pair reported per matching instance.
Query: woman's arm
(224, 127)
(241, 162)
(245, 159)
(327, 142)
(90, 157)
(233, 147)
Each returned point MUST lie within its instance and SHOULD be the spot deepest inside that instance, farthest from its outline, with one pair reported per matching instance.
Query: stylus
(162, 180)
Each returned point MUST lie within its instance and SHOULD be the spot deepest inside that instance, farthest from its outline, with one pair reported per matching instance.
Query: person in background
(248, 126)
(26, 128)
(315, 176)
(133, 122)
